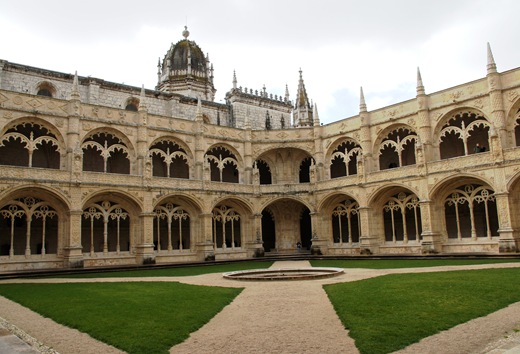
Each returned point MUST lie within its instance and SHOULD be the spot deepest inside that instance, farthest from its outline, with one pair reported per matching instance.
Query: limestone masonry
(96, 173)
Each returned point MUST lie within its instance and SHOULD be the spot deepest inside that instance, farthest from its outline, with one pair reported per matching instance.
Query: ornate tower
(302, 114)
(186, 70)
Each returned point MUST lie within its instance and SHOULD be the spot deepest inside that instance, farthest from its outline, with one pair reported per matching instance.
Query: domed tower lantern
(186, 70)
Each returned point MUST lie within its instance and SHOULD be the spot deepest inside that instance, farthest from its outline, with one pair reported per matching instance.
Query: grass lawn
(383, 314)
(388, 313)
(174, 271)
(403, 263)
(135, 317)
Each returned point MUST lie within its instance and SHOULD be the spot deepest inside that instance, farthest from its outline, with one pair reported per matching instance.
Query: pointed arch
(170, 158)
(104, 150)
(463, 132)
(343, 159)
(224, 164)
(397, 147)
(32, 143)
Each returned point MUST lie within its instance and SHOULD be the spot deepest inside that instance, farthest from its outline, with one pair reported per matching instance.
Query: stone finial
(74, 95)
(234, 80)
(286, 93)
(420, 86)
(491, 66)
(142, 99)
(198, 115)
(186, 33)
(362, 104)
(316, 116)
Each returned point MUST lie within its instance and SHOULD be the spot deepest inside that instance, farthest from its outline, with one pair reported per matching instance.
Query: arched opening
(31, 145)
(226, 227)
(223, 165)
(287, 222)
(463, 134)
(105, 228)
(28, 226)
(104, 152)
(305, 176)
(172, 230)
(169, 160)
(264, 172)
(344, 159)
(471, 212)
(46, 89)
(345, 222)
(402, 218)
(397, 149)
(132, 104)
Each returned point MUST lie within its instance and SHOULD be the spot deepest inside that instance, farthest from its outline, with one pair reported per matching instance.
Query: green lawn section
(135, 317)
(388, 313)
(403, 263)
(174, 271)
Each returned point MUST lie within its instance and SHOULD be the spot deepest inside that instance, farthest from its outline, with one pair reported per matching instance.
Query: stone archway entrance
(285, 223)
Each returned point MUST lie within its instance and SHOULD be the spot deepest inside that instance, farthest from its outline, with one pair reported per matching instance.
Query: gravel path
(277, 317)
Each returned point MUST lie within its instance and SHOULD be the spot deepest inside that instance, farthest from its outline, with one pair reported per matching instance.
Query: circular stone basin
(284, 274)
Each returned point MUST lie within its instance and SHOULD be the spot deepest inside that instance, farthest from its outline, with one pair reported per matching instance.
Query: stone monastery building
(95, 173)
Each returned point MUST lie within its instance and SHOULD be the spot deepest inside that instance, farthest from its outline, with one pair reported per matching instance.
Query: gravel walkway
(275, 317)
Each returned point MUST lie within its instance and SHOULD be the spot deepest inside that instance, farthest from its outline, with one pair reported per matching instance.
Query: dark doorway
(306, 228)
(268, 231)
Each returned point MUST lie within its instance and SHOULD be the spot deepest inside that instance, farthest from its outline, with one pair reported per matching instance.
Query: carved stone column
(72, 250)
(431, 238)
(368, 240)
(255, 246)
(508, 241)
(204, 246)
(145, 253)
(320, 241)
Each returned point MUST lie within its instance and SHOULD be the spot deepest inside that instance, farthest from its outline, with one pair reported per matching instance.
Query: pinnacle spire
(234, 80)
(142, 99)
(316, 116)
(198, 115)
(491, 66)
(302, 107)
(75, 87)
(286, 93)
(362, 104)
(420, 86)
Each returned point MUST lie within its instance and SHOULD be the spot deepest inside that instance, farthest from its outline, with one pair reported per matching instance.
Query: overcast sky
(340, 45)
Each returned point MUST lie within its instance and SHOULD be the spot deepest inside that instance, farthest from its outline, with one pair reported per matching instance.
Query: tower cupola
(186, 70)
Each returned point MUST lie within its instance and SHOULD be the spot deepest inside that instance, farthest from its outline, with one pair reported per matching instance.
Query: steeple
(302, 107)
(491, 66)
(420, 86)
(362, 104)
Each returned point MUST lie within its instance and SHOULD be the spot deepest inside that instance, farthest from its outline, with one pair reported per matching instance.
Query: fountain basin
(282, 274)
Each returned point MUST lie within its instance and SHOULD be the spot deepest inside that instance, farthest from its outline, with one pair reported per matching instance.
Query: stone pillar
(508, 241)
(368, 240)
(72, 250)
(145, 253)
(320, 243)
(205, 247)
(255, 246)
(431, 238)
